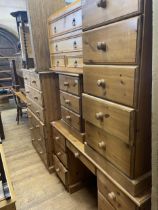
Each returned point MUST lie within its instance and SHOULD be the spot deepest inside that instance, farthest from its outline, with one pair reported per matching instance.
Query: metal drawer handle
(101, 83)
(66, 84)
(99, 116)
(74, 22)
(57, 170)
(59, 153)
(57, 138)
(55, 29)
(68, 117)
(112, 196)
(76, 154)
(101, 46)
(102, 3)
(75, 45)
(67, 101)
(102, 145)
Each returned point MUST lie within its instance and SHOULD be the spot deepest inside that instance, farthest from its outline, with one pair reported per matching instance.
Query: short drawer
(35, 95)
(103, 204)
(75, 61)
(113, 194)
(35, 81)
(115, 119)
(68, 23)
(113, 44)
(61, 154)
(70, 84)
(61, 171)
(115, 83)
(58, 61)
(70, 101)
(66, 45)
(59, 139)
(110, 147)
(40, 150)
(100, 12)
(36, 109)
(71, 118)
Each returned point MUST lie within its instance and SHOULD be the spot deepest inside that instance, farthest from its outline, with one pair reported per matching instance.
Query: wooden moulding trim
(80, 146)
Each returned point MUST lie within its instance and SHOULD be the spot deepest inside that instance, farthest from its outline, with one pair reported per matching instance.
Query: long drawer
(66, 24)
(100, 12)
(42, 153)
(61, 154)
(61, 171)
(70, 101)
(110, 147)
(115, 119)
(35, 95)
(71, 118)
(115, 83)
(59, 139)
(66, 45)
(70, 84)
(116, 43)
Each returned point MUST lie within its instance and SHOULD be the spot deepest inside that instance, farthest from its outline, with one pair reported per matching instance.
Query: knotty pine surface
(35, 188)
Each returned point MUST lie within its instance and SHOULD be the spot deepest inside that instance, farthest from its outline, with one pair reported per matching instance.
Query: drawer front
(57, 61)
(70, 84)
(59, 139)
(35, 81)
(70, 101)
(115, 119)
(106, 11)
(115, 83)
(60, 170)
(68, 23)
(103, 204)
(37, 110)
(114, 195)
(35, 95)
(110, 147)
(40, 151)
(66, 45)
(75, 62)
(115, 43)
(61, 154)
(71, 118)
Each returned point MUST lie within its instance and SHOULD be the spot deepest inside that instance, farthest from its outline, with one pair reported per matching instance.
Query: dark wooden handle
(101, 46)
(102, 3)
(101, 83)
(99, 116)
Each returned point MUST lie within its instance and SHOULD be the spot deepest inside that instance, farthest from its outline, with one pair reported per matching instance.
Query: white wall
(6, 7)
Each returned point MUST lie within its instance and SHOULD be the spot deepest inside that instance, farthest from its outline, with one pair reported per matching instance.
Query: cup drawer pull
(101, 83)
(101, 46)
(67, 101)
(112, 196)
(102, 3)
(102, 145)
(68, 117)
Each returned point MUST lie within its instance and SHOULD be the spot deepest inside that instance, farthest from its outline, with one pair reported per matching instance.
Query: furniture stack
(42, 109)
(65, 41)
(117, 94)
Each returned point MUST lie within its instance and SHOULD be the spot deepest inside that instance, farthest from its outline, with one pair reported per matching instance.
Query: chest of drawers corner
(42, 109)
(116, 102)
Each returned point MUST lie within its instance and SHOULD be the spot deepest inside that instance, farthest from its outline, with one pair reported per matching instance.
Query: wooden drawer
(68, 23)
(75, 61)
(115, 119)
(58, 61)
(103, 204)
(61, 154)
(70, 84)
(35, 95)
(70, 101)
(66, 45)
(107, 11)
(59, 139)
(114, 195)
(81, 157)
(36, 109)
(35, 81)
(61, 171)
(40, 150)
(71, 118)
(115, 83)
(116, 43)
(110, 147)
